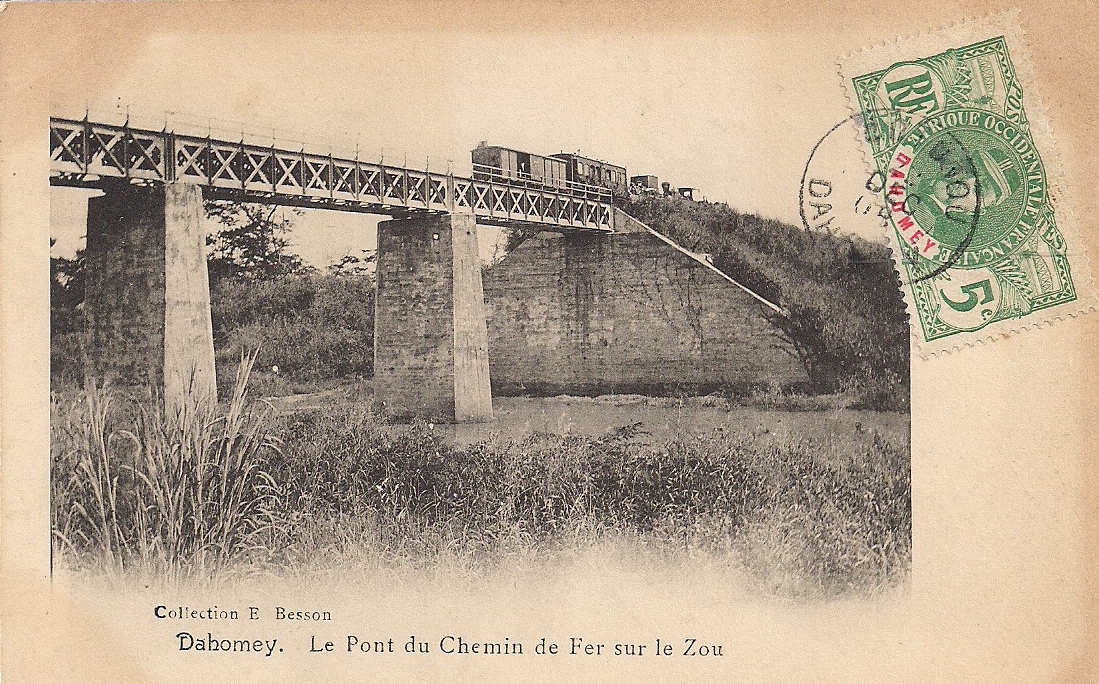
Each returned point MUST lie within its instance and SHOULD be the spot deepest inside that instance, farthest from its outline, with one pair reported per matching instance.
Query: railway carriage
(594, 172)
(492, 162)
(557, 170)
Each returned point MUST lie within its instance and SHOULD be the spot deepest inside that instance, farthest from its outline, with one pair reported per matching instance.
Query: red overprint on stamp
(897, 196)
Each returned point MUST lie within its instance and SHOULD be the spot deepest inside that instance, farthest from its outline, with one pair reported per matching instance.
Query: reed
(164, 490)
(800, 516)
(208, 491)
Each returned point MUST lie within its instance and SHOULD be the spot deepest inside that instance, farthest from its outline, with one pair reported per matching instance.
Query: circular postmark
(837, 195)
(959, 191)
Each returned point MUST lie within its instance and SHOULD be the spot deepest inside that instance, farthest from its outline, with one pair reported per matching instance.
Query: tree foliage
(312, 327)
(66, 291)
(252, 243)
(67, 316)
(362, 264)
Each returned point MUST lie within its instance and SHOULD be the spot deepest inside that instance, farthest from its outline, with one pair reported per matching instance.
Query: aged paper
(740, 104)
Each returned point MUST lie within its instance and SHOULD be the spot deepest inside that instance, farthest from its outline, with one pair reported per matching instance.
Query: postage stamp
(982, 238)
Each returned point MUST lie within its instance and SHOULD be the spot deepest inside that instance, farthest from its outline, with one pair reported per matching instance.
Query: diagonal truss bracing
(83, 151)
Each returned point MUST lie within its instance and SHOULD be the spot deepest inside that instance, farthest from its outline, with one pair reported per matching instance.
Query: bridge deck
(82, 152)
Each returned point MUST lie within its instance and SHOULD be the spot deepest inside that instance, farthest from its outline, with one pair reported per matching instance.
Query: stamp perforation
(1000, 35)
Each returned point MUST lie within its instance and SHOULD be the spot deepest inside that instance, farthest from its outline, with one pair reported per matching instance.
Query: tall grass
(137, 486)
(801, 518)
(205, 489)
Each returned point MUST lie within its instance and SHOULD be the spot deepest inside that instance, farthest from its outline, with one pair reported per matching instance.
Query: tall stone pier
(430, 336)
(148, 294)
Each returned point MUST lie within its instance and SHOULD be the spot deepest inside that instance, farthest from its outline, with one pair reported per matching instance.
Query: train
(562, 170)
(565, 170)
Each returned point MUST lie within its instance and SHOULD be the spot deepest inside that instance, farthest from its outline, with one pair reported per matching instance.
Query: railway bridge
(148, 300)
(597, 302)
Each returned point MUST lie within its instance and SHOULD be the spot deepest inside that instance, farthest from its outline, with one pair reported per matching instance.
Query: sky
(733, 113)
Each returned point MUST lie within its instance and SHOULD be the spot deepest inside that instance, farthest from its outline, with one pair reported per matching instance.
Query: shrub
(312, 327)
(846, 319)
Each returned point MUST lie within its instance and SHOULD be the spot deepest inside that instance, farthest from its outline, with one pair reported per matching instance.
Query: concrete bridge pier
(148, 295)
(430, 335)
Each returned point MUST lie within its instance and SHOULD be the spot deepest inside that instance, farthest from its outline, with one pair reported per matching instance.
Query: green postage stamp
(982, 239)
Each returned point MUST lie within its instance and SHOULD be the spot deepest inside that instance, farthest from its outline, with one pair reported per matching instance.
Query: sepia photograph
(515, 358)
(601, 343)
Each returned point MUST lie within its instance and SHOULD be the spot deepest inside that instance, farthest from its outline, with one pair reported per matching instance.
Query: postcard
(486, 341)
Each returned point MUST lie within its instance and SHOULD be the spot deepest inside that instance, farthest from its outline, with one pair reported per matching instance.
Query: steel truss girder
(81, 152)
